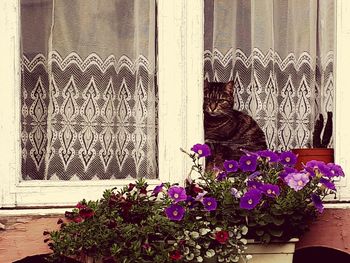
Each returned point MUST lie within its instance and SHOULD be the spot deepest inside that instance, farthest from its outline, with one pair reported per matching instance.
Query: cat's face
(218, 98)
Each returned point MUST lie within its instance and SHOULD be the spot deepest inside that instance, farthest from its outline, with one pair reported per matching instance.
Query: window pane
(280, 57)
(88, 89)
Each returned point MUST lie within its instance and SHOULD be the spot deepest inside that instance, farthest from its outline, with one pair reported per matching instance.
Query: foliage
(260, 197)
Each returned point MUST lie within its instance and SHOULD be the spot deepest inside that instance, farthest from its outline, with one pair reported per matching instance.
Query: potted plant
(322, 135)
(218, 216)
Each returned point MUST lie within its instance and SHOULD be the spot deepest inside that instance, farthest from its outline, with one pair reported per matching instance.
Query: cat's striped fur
(227, 131)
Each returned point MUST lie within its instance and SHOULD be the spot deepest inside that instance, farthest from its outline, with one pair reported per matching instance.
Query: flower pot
(320, 154)
(274, 252)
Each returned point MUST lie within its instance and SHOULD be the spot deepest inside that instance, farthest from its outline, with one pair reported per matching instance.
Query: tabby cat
(226, 130)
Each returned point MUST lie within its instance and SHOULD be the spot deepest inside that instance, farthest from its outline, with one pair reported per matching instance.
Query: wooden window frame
(180, 71)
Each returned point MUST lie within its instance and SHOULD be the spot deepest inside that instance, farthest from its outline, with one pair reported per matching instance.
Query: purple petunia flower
(254, 184)
(248, 163)
(310, 171)
(200, 196)
(314, 167)
(328, 184)
(231, 166)
(254, 175)
(235, 192)
(269, 155)
(288, 158)
(287, 170)
(335, 170)
(177, 193)
(157, 189)
(325, 171)
(202, 150)
(270, 190)
(297, 181)
(209, 203)
(317, 202)
(250, 199)
(221, 176)
(175, 212)
(190, 202)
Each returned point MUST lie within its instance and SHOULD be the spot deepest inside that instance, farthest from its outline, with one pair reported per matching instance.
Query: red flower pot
(320, 154)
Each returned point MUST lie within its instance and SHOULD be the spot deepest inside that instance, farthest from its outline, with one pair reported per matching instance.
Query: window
(180, 80)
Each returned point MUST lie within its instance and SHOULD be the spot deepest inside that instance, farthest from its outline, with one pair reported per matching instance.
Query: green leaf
(262, 223)
(278, 221)
(259, 232)
(266, 238)
(276, 232)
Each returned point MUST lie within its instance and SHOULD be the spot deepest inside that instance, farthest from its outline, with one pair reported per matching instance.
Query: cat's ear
(229, 87)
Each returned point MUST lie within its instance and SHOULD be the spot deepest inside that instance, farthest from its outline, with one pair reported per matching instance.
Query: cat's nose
(212, 107)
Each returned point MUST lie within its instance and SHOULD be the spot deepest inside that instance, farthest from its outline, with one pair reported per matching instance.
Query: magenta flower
(314, 167)
(335, 170)
(235, 192)
(317, 202)
(209, 203)
(328, 184)
(253, 175)
(250, 199)
(287, 170)
(288, 158)
(177, 193)
(248, 163)
(231, 166)
(270, 190)
(175, 212)
(297, 181)
(202, 150)
(221, 176)
(310, 171)
(190, 202)
(254, 184)
(200, 196)
(157, 189)
(270, 156)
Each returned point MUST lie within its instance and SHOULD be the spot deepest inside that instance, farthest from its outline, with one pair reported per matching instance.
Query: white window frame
(342, 96)
(180, 63)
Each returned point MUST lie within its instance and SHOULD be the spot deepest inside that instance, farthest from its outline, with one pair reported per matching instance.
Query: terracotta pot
(307, 154)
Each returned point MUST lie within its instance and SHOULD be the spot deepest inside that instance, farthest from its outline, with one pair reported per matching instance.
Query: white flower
(248, 257)
(199, 259)
(244, 230)
(186, 251)
(204, 231)
(235, 259)
(244, 241)
(198, 246)
(194, 235)
(210, 253)
(190, 256)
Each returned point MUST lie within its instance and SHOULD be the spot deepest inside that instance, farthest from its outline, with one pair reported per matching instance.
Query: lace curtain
(89, 101)
(280, 55)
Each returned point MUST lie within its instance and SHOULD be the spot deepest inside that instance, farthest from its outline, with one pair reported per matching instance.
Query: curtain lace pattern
(280, 55)
(283, 95)
(88, 116)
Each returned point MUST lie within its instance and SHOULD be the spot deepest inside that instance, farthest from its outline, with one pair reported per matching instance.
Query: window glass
(88, 93)
(279, 56)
